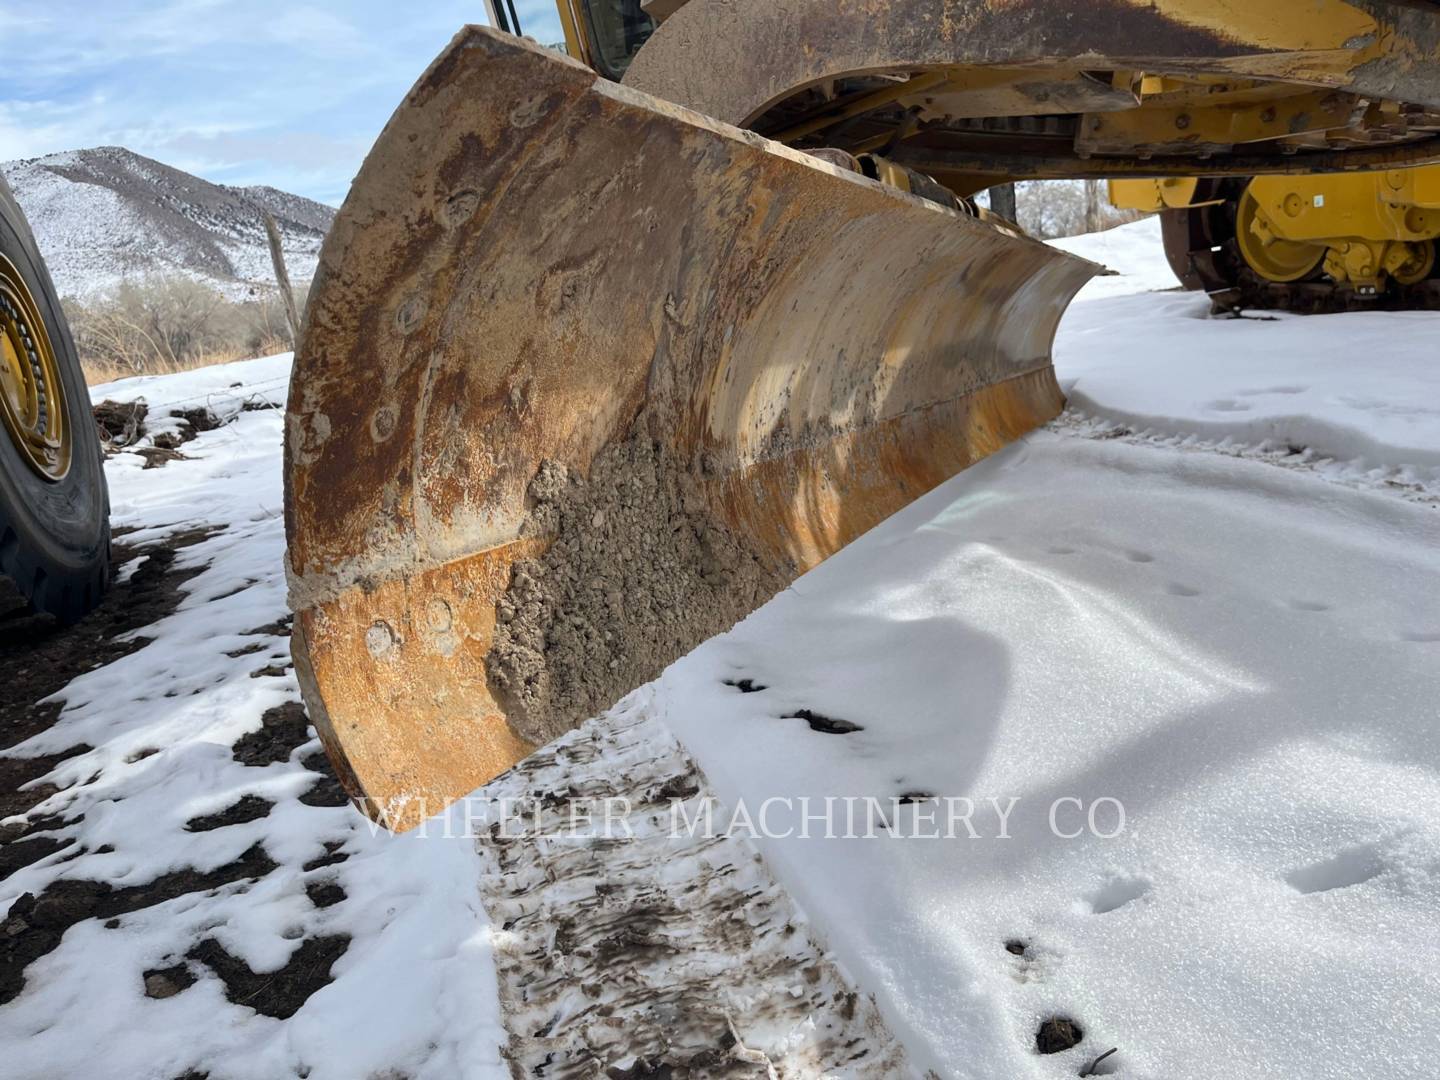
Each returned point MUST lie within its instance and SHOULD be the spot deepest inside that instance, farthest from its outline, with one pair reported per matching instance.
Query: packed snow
(1134, 255)
(1205, 605)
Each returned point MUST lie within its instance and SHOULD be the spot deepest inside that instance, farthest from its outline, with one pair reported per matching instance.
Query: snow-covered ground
(414, 990)
(1209, 594)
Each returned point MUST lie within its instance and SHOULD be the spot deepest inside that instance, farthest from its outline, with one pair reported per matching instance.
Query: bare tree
(1002, 202)
(170, 324)
(1092, 206)
(282, 278)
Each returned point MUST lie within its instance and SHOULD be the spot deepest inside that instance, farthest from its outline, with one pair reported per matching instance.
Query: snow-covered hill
(1208, 594)
(107, 214)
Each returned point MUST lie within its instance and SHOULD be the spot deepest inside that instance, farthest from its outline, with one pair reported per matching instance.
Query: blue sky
(280, 92)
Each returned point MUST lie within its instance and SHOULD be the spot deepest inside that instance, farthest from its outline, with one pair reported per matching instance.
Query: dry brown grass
(98, 371)
(160, 326)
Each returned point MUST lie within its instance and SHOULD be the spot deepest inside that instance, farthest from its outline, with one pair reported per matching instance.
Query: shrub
(160, 325)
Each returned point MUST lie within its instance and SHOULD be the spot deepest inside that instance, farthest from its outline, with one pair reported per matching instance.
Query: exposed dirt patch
(247, 808)
(1057, 1034)
(746, 686)
(910, 798)
(38, 661)
(325, 893)
(327, 790)
(826, 725)
(36, 665)
(167, 982)
(35, 925)
(282, 730)
(193, 421)
(279, 628)
(18, 771)
(274, 993)
(639, 573)
(333, 856)
(17, 854)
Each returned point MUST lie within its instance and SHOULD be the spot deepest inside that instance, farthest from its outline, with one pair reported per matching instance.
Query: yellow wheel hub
(32, 397)
(1419, 262)
(1266, 253)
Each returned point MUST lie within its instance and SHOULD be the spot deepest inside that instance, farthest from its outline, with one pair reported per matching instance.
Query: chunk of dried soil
(639, 573)
(1058, 1034)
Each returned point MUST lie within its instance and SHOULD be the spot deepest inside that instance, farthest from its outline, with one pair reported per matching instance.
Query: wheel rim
(32, 396)
(1275, 260)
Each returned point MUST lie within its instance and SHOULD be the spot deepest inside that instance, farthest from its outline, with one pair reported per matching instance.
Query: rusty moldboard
(530, 261)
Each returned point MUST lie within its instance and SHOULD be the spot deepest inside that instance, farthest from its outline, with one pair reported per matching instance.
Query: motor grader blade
(585, 378)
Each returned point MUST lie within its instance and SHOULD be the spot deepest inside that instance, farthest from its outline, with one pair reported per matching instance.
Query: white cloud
(266, 91)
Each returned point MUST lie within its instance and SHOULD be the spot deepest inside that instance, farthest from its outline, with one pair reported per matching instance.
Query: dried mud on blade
(585, 378)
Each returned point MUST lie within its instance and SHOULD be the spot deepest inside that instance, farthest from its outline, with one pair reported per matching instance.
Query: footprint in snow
(1139, 556)
(1226, 405)
(1176, 589)
(1309, 605)
(1353, 866)
(1116, 893)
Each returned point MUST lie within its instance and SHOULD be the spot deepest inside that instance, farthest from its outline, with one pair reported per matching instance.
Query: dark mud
(37, 661)
(274, 993)
(283, 730)
(639, 573)
(246, 808)
(35, 924)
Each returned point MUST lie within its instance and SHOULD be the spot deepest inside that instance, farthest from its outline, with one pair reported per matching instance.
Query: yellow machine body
(1360, 229)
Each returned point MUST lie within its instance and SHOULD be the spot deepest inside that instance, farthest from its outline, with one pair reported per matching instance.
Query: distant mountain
(105, 215)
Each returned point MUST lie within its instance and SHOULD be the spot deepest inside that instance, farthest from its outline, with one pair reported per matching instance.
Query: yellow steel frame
(571, 22)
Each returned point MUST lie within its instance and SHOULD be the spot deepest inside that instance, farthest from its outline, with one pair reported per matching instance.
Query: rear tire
(54, 532)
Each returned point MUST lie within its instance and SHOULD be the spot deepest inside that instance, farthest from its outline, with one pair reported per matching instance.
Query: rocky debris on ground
(1058, 1034)
(120, 423)
(167, 982)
